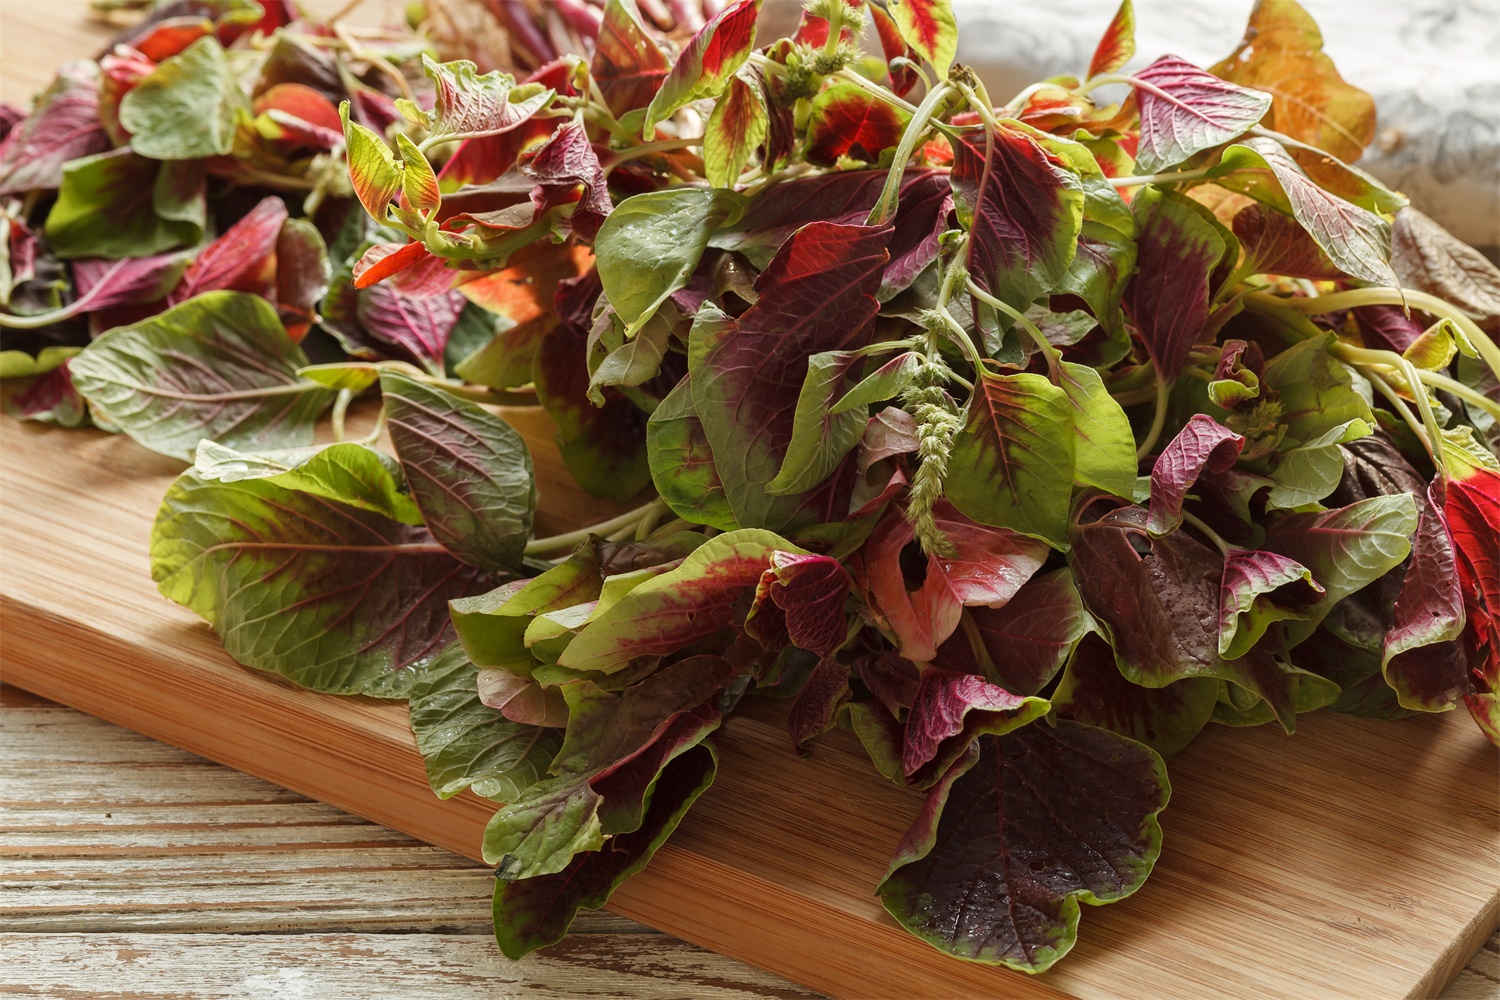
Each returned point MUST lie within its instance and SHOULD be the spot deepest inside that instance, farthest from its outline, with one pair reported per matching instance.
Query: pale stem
(629, 519)
(1052, 354)
(1158, 418)
(340, 409)
(1399, 405)
(885, 208)
(1224, 547)
(1170, 177)
(877, 91)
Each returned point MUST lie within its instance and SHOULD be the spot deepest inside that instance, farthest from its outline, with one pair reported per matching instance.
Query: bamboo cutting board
(1355, 859)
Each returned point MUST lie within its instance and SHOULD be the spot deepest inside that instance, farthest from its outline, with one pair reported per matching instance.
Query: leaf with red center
(166, 38)
(707, 63)
(736, 128)
(299, 115)
(952, 710)
(847, 121)
(903, 78)
(919, 598)
(1423, 659)
(1259, 588)
(104, 284)
(1275, 244)
(681, 462)
(484, 160)
(468, 105)
(565, 160)
(1472, 507)
(930, 28)
(1185, 110)
(1118, 44)
(1202, 446)
(48, 397)
(1017, 836)
(1168, 297)
(241, 260)
(1012, 463)
(670, 612)
(1166, 719)
(1029, 638)
(813, 711)
(628, 64)
(817, 295)
(63, 126)
(1024, 224)
(1159, 601)
(1282, 54)
(800, 599)
(1356, 240)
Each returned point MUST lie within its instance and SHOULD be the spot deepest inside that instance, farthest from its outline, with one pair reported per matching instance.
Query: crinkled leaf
(333, 597)
(1185, 110)
(1166, 719)
(118, 204)
(707, 63)
(930, 28)
(737, 127)
(1430, 259)
(470, 105)
(1202, 446)
(1004, 851)
(565, 161)
(1275, 243)
(188, 108)
(467, 744)
(1168, 297)
(800, 599)
(470, 472)
(949, 712)
(374, 172)
(219, 366)
(1012, 463)
(243, 259)
(63, 126)
(1282, 54)
(988, 566)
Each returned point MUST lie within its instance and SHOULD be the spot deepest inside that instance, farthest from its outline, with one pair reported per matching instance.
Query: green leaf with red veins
(1356, 240)
(736, 128)
(1166, 719)
(952, 710)
(707, 63)
(930, 28)
(1185, 110)
(1012, 463)
(1103, 443)
(469, 471)
(1275, 244)
(1118, 44)
(1024, 225)
(1029, 638)
(800, 599)
(492, 626)
(374, 172)
(1282, 54)
(188, 108)
(331, 596)
(817, 295)
(628, 65)
(1168, 297)
(534, 912)
(1258, 589)
(349, 473)
(219, 367)
(682, 464)
(919, 598)
(1008, 846)
(469, 105)
(845, 120)
(1346, 549)
(63, 126)
(673, 610)
(1159, 601)
(466, 743)
(1472, 507)
(1422, 659)
(1202, 446)
(118, 204)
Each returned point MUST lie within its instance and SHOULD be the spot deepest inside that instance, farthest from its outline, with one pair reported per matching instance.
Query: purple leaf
(1203, 445)
(800, 599)
(1259, 588)
(1423, 660)
(995, 866)
(1166, 719)
(241, 260)
(822, 695)
(566, 160)
(950, 711)
(1275, 244)
(1185, 110)
(1030, 637)
(63, 126)
(1168, 297)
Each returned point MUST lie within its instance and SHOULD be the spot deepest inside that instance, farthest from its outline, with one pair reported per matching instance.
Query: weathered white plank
(370, 967)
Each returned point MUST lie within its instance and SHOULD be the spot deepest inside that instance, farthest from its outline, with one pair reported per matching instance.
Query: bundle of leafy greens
(1024, 440)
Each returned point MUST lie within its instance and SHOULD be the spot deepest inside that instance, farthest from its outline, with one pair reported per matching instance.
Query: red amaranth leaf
(707, 62)
(1118, 44)
(1202, 446)
(904, 78)
(1423, 661)
(1274, 244)
(63, 126)
(1185, 110)
(930, 28)
(1168, 297)
(241, 260)
(813, 711)
(1029, 638)
(949, 712)
(628, 64)
(1166, 719)
(847, 121)
(800, 599)
(1472, 507)
(566, 160)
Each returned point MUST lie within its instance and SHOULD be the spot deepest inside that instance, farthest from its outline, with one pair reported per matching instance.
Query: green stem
(1429, 419)
(567, 540)
(1399, 405)
(1170, 177)
(976, 645)
(1052, 354)
(885, 208)
(648, 523)
(340, 410)
(876, 90)
(371, 438)
(1158, 418)
(478, 394)
(1224, 547)
(1462, 391)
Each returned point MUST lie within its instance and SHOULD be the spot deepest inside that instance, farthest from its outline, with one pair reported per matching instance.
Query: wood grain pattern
(1355, 860)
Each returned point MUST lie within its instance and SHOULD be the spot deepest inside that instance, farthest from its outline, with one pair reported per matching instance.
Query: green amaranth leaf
(736, 128)
(374, 171)
(188, 108)
(820, 438)
(328, 595)
(1104, 445)
(349, 473)
(1012, 463)
(469, 471)
(1014, 839)
(218, 366)
(467, 744)
(119, 204)
(682, 464)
